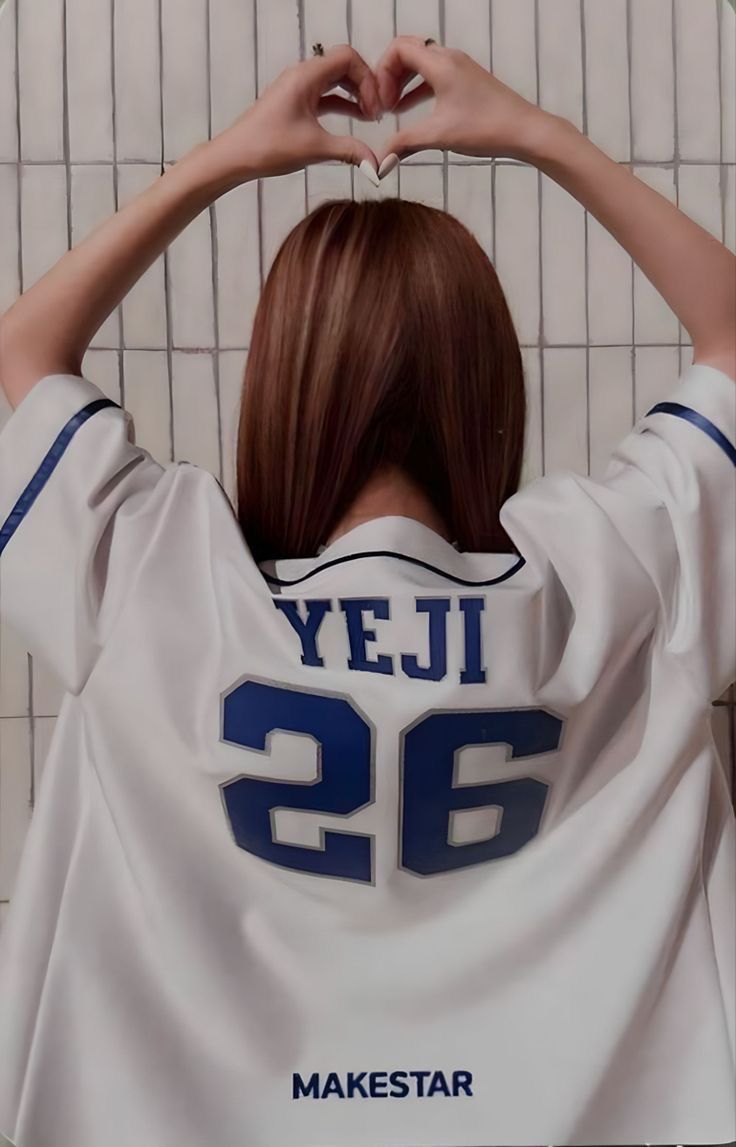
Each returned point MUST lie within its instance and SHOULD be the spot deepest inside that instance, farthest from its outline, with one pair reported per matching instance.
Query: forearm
(694, 273)
(48, 329)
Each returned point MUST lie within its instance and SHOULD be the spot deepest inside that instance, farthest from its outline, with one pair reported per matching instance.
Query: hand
(280, 132)
(474, 114)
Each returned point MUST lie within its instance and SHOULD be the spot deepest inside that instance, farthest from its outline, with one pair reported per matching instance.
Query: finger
(416, 96)
(404, 57)
(329, 105)
(347, 148)
(419, 137)
(343, 63)
(348, 87)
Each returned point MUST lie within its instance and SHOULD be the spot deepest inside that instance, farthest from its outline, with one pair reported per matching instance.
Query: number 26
(345, 781)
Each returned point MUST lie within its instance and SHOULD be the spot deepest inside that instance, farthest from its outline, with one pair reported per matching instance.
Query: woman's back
(362, 828)
(348, 835)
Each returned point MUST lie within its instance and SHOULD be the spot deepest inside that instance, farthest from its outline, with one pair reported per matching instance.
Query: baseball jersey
(394, 846)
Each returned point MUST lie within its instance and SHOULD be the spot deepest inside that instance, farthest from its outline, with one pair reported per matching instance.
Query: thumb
(410, 140)
(348, 149)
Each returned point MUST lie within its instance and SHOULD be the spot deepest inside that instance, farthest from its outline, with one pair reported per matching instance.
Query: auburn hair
(382, 335)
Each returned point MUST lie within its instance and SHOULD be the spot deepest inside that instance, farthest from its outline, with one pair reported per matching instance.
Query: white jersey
(396, 846)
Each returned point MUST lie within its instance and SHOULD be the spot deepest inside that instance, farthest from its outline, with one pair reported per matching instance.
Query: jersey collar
(394, 535)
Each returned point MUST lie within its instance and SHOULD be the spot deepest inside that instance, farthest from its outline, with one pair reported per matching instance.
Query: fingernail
(369, 172)
(390, 162)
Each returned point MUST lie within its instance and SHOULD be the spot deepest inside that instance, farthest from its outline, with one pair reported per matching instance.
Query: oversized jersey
(395, 846)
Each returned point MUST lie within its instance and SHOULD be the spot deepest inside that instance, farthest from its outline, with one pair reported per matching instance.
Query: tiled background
(96, 94)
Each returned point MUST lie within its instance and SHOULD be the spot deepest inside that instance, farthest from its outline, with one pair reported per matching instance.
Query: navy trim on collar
(401, 557)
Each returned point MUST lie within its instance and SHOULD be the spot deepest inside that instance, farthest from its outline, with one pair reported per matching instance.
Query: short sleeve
(75, 499)
(666, 505)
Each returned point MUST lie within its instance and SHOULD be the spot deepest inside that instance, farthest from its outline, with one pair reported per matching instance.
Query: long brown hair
(382, 335)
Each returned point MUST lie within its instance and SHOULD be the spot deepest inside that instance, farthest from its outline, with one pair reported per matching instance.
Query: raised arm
(476, 114)
(694, 273)
(47, 331)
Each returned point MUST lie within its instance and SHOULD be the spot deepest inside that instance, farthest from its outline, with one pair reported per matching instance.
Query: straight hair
(382, 336)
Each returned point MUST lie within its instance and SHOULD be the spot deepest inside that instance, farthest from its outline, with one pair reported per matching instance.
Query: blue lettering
(398, 1080)
(420, 1077)
(306, 630)
(354, 608)
(301, 1089)
(462, 1080)
(473, 673)
(439, 1083)
(377, 1081)
(437, 608)
(355, 1084)
(333, 1086)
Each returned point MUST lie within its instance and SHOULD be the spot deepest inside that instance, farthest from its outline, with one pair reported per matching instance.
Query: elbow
(24, 360)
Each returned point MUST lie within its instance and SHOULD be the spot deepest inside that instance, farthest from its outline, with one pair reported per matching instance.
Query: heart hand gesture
(474, 114)
(281, 132)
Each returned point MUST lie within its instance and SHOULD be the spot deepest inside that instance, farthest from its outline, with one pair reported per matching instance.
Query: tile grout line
(442, 13)
(540, 337)
(259, 182)
(116, 190)
(300, 17)
(19, 173)
(494, 165)
(722, 168)
(629, 56)
(676, 168)
(351, 122)
(584, 70)
(396, 117)
(65, 123)
(214, 250)
(167, 269)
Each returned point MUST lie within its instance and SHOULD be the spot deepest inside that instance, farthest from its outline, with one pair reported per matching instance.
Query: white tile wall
(89, 81)
(8, 106)
(138, 101)
(652, 80)
(518, 260)
(41, 63)
(607, 76)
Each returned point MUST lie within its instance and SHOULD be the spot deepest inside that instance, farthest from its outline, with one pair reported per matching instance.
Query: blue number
(345, 781)
(429, 795)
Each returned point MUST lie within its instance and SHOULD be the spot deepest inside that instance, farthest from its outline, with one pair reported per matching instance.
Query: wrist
(210, 170)
(552, 141)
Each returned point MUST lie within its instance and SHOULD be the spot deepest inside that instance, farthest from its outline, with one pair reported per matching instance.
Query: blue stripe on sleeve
(47, 467)
(698, 420)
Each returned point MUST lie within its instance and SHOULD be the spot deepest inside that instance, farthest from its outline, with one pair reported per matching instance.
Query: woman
(404, 841)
